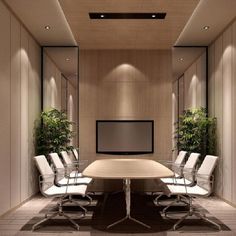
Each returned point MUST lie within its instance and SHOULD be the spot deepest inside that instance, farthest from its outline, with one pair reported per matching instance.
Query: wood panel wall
(20, 106)
(222, 90)
(125, 84)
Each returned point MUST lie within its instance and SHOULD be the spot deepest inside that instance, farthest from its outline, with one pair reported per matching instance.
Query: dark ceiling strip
(110, 15)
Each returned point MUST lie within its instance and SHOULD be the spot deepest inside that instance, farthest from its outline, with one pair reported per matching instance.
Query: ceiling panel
(127, 34)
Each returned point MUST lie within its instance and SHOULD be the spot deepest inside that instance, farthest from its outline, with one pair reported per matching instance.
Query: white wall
(20, 106)
(222, 98)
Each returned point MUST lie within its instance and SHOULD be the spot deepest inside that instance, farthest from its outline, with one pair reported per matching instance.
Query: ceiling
(214, 13)
(127, 34)
(36, 14)
(70, 23)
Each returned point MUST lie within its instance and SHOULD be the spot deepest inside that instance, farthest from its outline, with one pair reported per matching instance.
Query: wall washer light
(47, 27)
(67, 59)
(153, 16)
(102, 16)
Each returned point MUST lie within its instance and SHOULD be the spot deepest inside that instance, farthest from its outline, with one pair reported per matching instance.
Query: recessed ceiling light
(47, 27)
(67, 59)
(153, 16)
(181, 59)
(206, 27)
(102, 16)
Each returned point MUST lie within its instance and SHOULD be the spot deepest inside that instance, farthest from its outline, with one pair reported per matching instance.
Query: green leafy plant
(53, 132)
(196, 132)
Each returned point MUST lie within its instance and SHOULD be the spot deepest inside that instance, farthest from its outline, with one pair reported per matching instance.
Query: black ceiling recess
(121, 16)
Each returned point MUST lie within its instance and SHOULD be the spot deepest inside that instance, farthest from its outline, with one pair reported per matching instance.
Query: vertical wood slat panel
(211, 81)
(5, 109)
(24, 113)
(227, 113)
(218, 112)
(15, 112)
(233, 64)
(33, 111)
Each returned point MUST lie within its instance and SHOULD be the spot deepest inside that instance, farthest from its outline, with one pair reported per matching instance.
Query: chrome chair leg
(192, 211)
(59, 212)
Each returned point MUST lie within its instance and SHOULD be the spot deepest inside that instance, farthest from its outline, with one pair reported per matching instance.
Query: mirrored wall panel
(60, 82)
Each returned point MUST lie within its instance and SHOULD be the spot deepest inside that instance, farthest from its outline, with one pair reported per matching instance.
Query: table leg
(128, 204)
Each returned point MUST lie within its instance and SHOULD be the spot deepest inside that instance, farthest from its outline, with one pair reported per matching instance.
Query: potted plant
(53, 132)
(196, 132)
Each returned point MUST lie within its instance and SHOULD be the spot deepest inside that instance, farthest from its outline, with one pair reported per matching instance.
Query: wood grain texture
(20, 105)
(222, 55)
(127, 34)
(125, 84)
(15, 112)
(5, 88)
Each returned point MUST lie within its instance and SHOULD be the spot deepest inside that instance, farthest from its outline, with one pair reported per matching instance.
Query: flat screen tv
(125, 137)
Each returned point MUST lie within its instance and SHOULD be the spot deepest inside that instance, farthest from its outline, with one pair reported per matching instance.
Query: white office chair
(76, 154)
(203, 188)
(188, 171)
(63, 173)
(189, 176)
(49, 189)
(69, 171)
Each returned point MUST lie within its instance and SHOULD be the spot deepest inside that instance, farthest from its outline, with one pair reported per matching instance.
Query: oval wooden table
(127, 169)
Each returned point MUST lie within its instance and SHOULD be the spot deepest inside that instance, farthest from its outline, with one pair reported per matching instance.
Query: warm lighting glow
(206, 27)
(181, 59)
(67, 59)
(47, 27)
(153, 16)
(102, 16)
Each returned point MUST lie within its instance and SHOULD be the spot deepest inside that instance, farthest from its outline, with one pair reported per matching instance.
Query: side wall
(20, 106)
(222, 98)
(125, 84)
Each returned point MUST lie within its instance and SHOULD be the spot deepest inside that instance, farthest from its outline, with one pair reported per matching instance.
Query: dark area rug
(111, 207)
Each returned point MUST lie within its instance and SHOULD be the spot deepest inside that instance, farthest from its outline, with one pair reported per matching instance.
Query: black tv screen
(124, 136)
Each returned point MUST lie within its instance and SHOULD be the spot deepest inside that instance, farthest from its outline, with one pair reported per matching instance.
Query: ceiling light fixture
(47, 27)
(67, 59)
(206, 27)
(127, 15)
(181, 59)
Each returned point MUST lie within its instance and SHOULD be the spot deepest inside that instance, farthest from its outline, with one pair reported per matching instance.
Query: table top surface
(126, 169)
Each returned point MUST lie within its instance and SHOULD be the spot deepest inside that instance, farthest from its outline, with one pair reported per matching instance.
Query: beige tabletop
(126, 169)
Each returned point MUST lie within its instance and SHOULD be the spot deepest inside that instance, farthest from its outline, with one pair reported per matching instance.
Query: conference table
(126, 169)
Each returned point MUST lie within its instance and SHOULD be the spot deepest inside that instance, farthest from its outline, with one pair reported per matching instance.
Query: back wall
(125, 84)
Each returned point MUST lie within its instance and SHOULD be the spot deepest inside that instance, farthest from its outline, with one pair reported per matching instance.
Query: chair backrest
(75, 153)
(45, 171)
(204, 173)
(66, 158)
(177, 167)
(180, 158)
(190, 166)
(56, 161)
(192, 161)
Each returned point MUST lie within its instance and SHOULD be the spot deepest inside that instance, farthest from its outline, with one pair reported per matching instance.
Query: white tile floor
(11, 223)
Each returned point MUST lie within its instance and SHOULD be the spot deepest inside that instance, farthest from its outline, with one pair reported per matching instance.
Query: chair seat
(176, 181)
(70, 190)
(75, 174)
(195, 190)
(80, 180)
